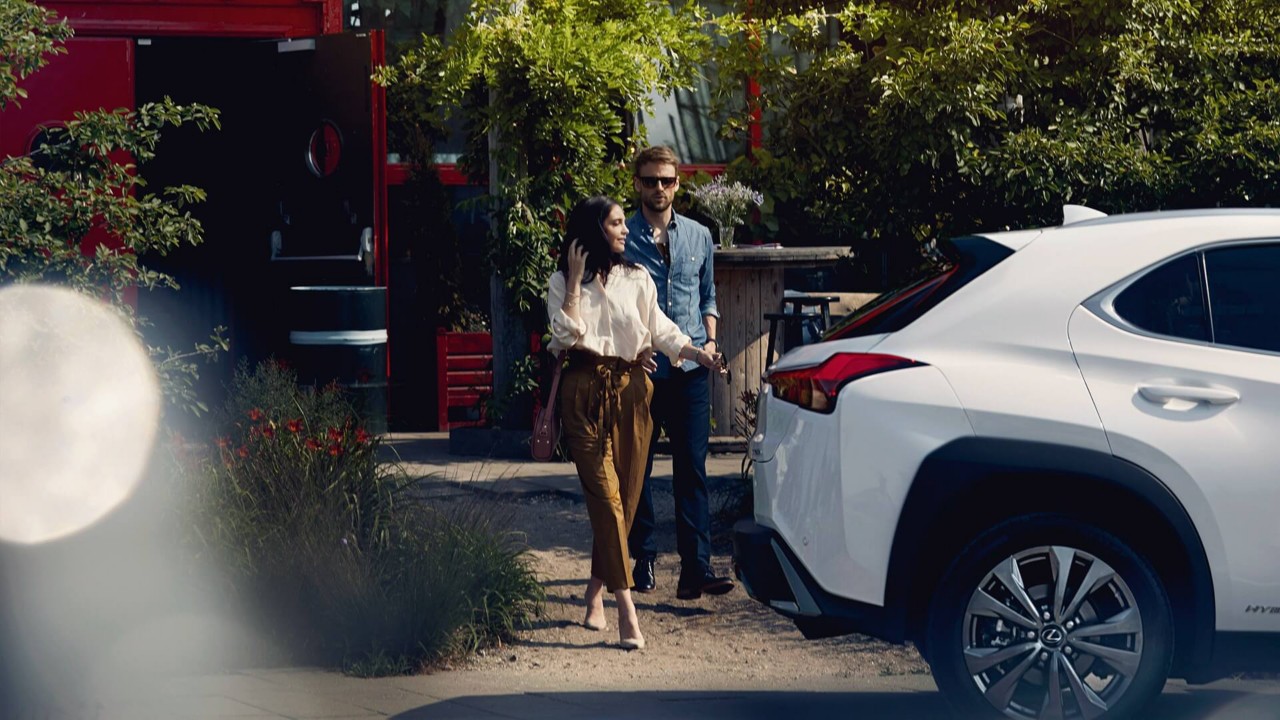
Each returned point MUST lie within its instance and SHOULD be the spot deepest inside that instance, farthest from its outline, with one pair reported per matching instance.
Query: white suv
(1053, 465)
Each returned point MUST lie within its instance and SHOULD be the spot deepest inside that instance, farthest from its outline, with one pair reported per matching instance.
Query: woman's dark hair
(586, 225)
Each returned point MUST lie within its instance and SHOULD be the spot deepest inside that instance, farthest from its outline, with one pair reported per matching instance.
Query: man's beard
(657, 203)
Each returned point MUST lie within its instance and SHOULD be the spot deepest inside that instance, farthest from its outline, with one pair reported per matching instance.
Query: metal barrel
(339, 335)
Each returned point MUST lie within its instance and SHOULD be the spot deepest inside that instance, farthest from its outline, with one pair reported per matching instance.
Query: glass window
(1244, 295)
(685, 123)
(1167, 301)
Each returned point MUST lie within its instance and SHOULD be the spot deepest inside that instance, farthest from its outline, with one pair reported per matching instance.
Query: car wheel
(1045, 617)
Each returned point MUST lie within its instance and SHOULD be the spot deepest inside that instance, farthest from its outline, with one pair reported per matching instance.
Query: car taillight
(816, 388)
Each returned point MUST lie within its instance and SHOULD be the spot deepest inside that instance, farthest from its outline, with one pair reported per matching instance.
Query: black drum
(339, 334)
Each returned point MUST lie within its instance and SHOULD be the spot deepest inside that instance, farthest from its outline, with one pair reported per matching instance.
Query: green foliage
(892, 122)
(341, 564)
(28, 33)
(76, 212)
(554, 85)
(548, 91)
(524, 383)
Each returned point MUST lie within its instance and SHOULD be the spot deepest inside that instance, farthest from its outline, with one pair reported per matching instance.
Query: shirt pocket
(687, 267)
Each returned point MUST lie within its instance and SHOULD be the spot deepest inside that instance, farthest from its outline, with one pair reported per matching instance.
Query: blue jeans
(682, 405)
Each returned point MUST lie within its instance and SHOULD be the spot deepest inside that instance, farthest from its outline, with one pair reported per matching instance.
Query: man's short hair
(658, 154)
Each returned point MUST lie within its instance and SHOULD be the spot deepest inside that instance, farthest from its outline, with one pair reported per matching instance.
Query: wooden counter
(749, 283)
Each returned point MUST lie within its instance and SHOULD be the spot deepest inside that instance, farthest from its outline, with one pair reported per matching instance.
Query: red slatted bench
(464, 377)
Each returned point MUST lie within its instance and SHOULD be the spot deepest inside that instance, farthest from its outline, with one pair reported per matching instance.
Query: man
(677, 252)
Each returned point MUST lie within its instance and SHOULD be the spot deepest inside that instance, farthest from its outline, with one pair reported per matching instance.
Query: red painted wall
(204, 18)
(94, 73)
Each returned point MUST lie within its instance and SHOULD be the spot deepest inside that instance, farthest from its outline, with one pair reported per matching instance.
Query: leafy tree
(548, 90)
(893, 122)
(82, 185)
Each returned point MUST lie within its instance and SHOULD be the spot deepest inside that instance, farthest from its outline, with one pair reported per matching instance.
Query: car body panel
(1023, 356)
(841, 528)
(1210, 455)
(763, 443)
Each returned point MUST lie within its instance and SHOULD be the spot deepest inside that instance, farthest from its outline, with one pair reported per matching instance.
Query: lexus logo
(1053, 635)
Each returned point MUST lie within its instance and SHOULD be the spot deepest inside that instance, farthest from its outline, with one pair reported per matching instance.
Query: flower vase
(726, 237)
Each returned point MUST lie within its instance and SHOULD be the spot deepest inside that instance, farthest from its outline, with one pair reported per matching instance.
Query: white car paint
(1013, 355)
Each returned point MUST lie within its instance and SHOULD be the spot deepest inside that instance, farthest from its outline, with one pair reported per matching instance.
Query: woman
(604, 311)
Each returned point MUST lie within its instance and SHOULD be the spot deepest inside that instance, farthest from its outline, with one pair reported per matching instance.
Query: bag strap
(555, 378)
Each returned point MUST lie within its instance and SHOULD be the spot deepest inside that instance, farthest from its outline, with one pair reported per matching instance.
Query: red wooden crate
(464, 377)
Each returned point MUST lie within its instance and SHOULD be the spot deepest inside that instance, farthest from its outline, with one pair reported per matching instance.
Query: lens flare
(79, 406)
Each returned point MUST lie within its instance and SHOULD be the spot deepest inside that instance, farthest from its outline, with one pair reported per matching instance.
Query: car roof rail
(1077, 213)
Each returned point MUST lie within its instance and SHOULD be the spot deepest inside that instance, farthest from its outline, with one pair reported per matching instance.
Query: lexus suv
(1053, 464)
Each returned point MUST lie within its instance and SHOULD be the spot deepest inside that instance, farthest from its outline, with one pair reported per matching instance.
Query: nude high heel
(631, 643)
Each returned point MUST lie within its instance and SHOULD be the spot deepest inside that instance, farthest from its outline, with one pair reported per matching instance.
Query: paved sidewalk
(426, 455)
(298, 693)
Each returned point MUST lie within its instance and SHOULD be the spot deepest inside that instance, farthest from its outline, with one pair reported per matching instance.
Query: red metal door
(94, 73)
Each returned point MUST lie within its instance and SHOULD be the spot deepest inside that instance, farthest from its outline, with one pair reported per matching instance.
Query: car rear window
(962, 260)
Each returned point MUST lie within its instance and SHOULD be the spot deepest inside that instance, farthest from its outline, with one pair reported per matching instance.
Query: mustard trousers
(604, 415)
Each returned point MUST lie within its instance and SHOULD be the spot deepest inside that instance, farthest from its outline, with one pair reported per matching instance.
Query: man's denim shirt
(687, 289)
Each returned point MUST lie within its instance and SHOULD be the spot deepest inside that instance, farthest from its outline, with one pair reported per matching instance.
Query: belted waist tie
(611, 371)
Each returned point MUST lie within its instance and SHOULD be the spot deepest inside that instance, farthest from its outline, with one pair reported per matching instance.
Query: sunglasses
(651, 181)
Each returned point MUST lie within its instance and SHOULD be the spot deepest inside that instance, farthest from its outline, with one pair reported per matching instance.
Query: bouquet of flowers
(726, 203)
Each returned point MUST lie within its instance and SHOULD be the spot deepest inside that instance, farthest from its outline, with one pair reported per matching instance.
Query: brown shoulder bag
(546, 428)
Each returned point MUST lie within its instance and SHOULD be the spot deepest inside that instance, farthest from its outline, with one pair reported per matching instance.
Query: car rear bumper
(771, 574)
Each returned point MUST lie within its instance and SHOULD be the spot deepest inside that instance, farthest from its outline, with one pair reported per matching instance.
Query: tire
(993, 656)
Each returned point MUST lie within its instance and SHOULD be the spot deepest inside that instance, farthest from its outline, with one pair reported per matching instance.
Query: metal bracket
(364, 253)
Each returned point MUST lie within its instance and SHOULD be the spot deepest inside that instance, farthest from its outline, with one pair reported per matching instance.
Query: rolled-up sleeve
(707, 281)
(565, 331)
(667, 337)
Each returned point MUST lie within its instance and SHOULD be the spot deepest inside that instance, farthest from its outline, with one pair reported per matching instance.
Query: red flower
(268, 432)
(224, 443)
(255, 415)
(335, 449)
(243, 452)
(313, 444)
(335, 435)
(362, 437)
(295, 426)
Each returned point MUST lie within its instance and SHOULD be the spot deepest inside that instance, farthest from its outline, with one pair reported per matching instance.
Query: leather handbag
(546, 428)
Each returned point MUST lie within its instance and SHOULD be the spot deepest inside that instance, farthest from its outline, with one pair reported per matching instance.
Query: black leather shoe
(642, 575)
(702, 582)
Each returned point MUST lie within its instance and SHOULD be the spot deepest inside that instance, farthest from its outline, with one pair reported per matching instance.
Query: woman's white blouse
(620, 319)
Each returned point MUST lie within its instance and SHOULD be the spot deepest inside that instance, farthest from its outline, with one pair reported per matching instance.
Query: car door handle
(1165, 393)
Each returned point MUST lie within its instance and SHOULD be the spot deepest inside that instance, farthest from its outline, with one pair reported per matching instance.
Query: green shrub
(335, 561)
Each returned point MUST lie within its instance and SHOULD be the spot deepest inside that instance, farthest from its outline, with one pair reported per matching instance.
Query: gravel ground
(725, 641)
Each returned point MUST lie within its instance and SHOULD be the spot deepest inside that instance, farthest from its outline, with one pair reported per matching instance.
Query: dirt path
(726, 641)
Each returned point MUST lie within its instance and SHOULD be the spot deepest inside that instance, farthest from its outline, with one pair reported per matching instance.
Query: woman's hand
(577, 264)
(646, 361)
(711, 361)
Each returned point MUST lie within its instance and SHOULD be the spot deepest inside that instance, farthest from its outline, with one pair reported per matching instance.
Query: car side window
(1169, 300)
(1244, 295)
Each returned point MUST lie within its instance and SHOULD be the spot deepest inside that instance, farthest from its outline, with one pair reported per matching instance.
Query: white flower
(727, 203)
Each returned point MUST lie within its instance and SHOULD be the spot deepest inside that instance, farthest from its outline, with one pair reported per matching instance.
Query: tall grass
(335, 560)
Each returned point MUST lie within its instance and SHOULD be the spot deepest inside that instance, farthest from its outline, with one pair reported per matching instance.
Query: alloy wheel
(1052, 632)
